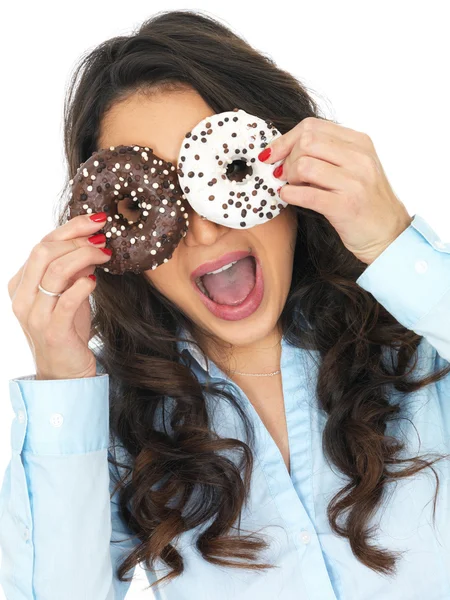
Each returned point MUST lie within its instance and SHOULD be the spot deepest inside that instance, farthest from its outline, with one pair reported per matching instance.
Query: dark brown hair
(137, 326)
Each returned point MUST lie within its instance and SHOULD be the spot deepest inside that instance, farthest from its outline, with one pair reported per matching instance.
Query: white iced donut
(220, 173)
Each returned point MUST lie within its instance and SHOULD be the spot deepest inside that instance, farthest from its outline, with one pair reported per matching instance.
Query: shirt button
(440, 244)
(421, 266)
(21, 416)
(305, 537)
(56, 420)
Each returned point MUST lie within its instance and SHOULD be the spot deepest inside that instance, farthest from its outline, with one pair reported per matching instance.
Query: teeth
(199, 283)
(224, 268)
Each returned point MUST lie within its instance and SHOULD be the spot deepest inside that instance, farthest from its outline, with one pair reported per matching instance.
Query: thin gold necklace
(257, 374)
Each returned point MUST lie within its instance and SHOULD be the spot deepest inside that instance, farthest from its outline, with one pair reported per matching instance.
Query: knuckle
(303, 166)
(307, 139)
(55, 268)
(308, 123)
(41, 251)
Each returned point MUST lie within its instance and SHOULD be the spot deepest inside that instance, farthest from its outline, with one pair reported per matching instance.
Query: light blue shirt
(56, 518)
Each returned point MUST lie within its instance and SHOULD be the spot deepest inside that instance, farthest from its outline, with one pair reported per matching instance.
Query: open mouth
(231, 284)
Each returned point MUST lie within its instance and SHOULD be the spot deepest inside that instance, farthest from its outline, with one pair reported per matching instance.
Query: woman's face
(160, 121)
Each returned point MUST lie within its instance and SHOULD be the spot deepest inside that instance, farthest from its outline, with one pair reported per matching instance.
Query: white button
(421, 266)
(440, 244)
(21, 416)
(26, 534)
(56, 420)
(305, 537)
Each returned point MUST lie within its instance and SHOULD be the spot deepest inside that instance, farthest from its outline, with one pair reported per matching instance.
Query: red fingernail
(278, 171)
(264, 155)
(93, 277)
(97, 239)
(98, 217)
(107, 251)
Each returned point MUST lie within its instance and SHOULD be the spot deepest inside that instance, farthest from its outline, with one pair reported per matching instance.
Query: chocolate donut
(221, 175)
(148, 187)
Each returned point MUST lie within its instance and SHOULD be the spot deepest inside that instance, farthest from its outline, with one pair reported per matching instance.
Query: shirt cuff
(60, 416)
(411, 275)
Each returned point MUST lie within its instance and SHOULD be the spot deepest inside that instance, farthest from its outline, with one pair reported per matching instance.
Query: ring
(47, 292)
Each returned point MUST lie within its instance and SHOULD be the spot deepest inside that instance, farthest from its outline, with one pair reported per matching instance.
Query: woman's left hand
(336, 171)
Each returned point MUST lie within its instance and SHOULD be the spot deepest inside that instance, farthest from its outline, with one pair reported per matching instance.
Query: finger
(282, 145)
(67, 306)
(316, 172)
(14, 282)
(322, 201)
(44, 254)
(79, 226)
(59, 275)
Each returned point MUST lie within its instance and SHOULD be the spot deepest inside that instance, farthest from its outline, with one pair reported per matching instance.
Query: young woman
(284, 454)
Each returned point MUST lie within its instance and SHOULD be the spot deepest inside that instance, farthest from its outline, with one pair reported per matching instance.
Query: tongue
(233, 285)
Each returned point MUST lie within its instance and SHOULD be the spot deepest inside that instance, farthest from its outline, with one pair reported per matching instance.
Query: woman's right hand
(58, 328)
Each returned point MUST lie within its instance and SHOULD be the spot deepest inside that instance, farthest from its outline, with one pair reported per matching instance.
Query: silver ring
(47, 292)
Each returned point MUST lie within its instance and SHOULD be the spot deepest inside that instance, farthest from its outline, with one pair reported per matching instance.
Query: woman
(271, 456)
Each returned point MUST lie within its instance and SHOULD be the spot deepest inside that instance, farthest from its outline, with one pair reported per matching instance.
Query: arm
(56, 516)
(411, 279)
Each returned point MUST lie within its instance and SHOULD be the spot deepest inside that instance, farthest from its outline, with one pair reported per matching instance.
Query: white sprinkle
(172, 168)
(133, 193)
(172, 214)
(116, 193)
(128, 166)
(136, 148)
(109, 218)
(146, 148)
(155, 185)
(93, 177)
(152, 170)
(187, 223)
(116, 217)
(132, 240)
(85, 172)
(160, 162)
(166, 172)
(142, 237)
(154, 267)
(178, 202)
(158, 244)
(117, 186)
(89, 210)
(140, 226)
(125, 184)
(166, 260)
(162, 209)
(155, 161)
(154, 233)
(117, 165)
(70, 181)
(114, 229)
(111, 147)
(182, 208)
(164, 201)
(185, 215)
(140, 189)
(96, 163)
(106, 269)
(171, 186)
(144, 155)
(113, 170)
(121, 179)
(71, 194)
(89, 188)
(122, 227)
(108, 234)
(152, 251)
(145, 213)
(119, 233)
(85, 206)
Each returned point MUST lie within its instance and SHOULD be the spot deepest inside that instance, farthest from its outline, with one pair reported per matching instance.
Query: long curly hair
(363, 350)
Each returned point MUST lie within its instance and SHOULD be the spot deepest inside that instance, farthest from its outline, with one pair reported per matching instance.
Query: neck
(260, 356)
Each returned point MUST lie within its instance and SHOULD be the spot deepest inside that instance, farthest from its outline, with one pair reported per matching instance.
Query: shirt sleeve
(57, 520)
(411, 279)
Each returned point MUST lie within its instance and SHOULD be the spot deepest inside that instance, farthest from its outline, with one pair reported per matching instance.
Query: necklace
(258, 374)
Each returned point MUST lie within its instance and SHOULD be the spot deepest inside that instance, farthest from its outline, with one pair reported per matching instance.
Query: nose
(202, 231)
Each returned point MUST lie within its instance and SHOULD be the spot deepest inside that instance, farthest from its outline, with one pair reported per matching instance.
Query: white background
(379, 67)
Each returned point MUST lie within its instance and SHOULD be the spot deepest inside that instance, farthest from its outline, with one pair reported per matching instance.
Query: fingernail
(101, 216)
(97, 239)
(107, 251)
(278, 171)
(93, 277)
(264, 155)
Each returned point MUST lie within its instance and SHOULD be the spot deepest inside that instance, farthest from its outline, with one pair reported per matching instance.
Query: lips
(213, 265)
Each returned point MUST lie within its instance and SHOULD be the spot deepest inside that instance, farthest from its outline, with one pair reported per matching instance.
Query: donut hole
(238, 170)
(128, 207)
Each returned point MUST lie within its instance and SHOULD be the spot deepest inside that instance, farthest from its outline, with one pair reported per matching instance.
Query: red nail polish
(278, 171)
(97, 239)
(264, 155)
(107, 251)
(93, 277)
(98, 217)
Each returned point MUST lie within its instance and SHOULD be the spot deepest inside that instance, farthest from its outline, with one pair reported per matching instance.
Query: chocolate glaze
(131, 163)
